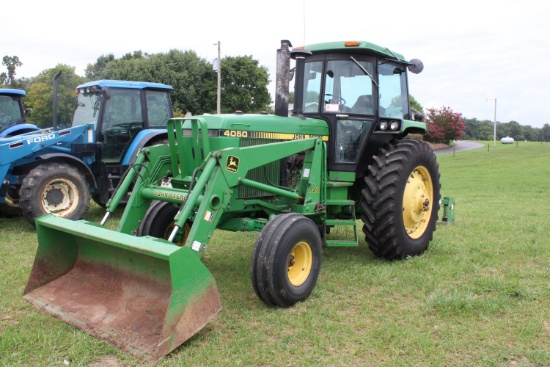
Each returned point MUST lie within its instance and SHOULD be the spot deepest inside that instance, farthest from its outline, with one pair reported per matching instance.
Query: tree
(515, 130)
(11, 63)
(244, 85)
(545, 133)
(193, 79)
(530, 133)
(415, 104)
(443, 125)
(40, 95)
(94, 71)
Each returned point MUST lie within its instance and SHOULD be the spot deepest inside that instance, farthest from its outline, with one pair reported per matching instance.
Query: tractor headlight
(388, 126)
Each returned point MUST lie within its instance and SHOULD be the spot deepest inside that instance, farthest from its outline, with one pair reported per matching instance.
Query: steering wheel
(340, 100)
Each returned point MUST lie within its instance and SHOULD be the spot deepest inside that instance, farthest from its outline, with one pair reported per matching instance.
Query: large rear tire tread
(278, 245)
(383, 199)
(60, 180)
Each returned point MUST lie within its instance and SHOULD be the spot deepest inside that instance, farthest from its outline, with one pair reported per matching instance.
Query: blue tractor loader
(58, 170)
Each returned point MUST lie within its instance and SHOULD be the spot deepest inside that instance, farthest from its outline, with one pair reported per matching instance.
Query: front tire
(158, 222)
(55, 188)
(401, 199)
(286, 260)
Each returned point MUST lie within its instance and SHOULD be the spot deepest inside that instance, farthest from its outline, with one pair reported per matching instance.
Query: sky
(475, 53)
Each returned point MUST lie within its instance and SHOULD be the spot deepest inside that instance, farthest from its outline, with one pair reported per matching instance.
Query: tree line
(484, 130)
(243, 82)
(444, 125)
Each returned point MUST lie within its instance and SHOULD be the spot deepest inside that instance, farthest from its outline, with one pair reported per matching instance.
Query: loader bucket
(141, 294)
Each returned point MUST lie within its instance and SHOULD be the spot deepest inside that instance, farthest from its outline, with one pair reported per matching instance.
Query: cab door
(340, 89)
(123, 118)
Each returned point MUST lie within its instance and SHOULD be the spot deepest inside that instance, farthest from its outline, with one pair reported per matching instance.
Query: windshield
(348, 86)
(10, 112)
(393, 91)
(87, 109)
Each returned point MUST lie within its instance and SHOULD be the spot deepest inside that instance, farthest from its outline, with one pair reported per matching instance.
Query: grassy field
(480, 295)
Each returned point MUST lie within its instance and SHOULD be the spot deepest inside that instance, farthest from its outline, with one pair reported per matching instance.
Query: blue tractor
(12, 114)
(58, 170)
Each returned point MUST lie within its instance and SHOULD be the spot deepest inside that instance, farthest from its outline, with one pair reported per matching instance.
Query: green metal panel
(414, 125)
(227, 124)
(341, 176)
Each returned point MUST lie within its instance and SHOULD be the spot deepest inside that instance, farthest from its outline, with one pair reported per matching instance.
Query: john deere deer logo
(232, 164)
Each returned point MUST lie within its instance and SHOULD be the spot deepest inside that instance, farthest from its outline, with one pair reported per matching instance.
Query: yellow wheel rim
(418, 202)
(300, 262)
(180, 239)
(60, 197)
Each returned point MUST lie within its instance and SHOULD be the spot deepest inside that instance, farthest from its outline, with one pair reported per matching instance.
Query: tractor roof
(125, 84)
(18, 92)
(352, 46)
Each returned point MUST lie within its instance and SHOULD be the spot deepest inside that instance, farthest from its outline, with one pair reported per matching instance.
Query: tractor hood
(233, 125)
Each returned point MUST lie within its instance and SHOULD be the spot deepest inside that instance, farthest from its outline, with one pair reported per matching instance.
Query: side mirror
(415, 66)
(417, 115)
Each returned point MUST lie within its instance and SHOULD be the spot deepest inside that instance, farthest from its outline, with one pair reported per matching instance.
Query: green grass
(479, 296)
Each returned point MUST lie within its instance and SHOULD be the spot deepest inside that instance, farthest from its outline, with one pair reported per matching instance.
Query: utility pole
(219, 78)
(494, 123)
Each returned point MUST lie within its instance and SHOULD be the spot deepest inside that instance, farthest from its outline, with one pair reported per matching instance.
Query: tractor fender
(19, 129)
(143, 138)
(74, 161)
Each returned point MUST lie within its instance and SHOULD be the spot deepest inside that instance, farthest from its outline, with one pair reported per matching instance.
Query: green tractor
(342, 156)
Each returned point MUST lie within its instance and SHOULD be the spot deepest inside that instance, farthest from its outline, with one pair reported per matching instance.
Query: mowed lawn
(480, 295)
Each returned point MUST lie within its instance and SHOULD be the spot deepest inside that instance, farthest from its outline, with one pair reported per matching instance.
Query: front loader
(342, 156)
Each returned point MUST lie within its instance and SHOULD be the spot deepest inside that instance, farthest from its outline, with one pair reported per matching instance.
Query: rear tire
(401, 199)
(55, 188)
(286, 260)
(159, 222)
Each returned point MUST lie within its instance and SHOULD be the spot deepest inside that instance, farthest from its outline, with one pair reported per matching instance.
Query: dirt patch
(8, 320)
(108, 361)
(523, 362)
(438, 146)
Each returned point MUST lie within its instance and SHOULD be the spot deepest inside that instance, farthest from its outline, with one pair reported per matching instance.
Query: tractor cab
(120, 111)
(127, 116)
(12, 113)
(361, 90)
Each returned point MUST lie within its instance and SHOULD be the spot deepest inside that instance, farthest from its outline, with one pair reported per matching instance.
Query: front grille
(269, 174)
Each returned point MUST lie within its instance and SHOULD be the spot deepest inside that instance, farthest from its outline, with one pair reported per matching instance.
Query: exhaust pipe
(283, 79)
(55, 103)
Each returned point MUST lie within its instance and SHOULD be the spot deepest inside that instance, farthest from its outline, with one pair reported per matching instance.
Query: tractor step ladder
(352, 222)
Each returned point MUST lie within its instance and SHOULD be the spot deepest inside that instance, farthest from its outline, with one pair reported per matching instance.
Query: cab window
(158, 108)
(393, 91)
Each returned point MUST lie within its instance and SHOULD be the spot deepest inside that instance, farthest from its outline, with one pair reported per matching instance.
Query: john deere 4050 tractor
(340, 158)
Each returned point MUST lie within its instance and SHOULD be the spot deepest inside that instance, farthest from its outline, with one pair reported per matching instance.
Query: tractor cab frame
(361, 92)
